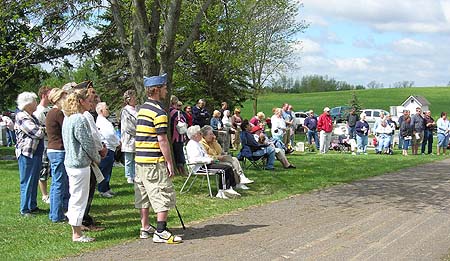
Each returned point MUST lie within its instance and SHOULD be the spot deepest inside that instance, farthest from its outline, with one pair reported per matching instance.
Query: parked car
(373, 115)
(299, 120)
(339, 114)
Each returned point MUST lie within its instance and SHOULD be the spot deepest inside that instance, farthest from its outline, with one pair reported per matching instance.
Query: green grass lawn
(371, 98)
(38, 238)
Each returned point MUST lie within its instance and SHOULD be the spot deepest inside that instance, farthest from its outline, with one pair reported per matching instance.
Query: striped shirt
(151, 121)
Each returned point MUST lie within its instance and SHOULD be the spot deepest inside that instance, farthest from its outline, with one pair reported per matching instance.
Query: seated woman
(252, 148)
(214, 150)
(384, 132)
(258, 119)
(279, 152)
(197, 154)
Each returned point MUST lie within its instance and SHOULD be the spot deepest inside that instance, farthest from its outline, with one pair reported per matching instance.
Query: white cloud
(422, 16)
(408, 46)
(308, 46)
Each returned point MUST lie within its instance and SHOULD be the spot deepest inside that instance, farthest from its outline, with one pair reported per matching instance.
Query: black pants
(87, 219)
(229, 174)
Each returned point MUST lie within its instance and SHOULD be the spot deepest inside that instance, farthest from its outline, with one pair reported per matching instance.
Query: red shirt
(325, 123)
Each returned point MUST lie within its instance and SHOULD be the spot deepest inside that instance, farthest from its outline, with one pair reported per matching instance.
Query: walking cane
(179, 216)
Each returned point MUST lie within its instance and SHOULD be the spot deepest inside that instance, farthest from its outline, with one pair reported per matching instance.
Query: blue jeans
(59, 189)
(270, 153)
(400, 141)
(427, 139)
(313, 134)
(362, 142)
(11, 136)
(29, 176)
(106, 166)
(130, 171)
(352, 132)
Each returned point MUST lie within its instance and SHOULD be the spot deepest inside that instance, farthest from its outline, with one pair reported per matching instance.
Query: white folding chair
(203, 171)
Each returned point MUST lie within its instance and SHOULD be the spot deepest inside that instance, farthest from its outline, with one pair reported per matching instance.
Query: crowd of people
(415, 131)
(76, 142)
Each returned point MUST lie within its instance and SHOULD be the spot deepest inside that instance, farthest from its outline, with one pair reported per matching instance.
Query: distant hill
(439, 97)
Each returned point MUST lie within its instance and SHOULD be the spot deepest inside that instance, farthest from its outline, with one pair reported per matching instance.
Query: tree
(267, 37)
(355, 103)
(403, 84)
(374, 85)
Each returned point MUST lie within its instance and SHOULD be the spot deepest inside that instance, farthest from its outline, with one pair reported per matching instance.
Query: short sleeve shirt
(152, 121)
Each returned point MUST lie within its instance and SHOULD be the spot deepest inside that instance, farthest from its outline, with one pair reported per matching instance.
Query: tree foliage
(311, 83)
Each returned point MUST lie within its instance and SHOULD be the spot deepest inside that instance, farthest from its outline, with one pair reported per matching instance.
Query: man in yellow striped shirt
(154, 165)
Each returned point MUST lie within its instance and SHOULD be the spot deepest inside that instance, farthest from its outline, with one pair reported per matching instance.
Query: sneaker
(166, 237)
(84, 239)
(245, 180)
(242, 186)
(231, 193)
(106, 195)
(46, 199)
(111, 192)
(146, 233)
(130, 181)
(221, 195)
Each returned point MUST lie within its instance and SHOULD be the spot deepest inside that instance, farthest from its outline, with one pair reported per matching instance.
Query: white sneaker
(106, 195)
(111, 192)
(146, 233)
(231, 193)
(245, 180)
(242, 186)
(130, 181)
(220, 194)
(166, 237)
(46, 199)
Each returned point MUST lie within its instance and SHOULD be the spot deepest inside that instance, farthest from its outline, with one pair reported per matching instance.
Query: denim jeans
(106, 166)
(129, 165)
(427, 139)
(270, 152)
(11, 136)
(352, 132)
(59, 189)
(29, 176)
(313, 134)
(361, 142)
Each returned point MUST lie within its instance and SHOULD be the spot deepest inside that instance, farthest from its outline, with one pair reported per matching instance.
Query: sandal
(84, 239)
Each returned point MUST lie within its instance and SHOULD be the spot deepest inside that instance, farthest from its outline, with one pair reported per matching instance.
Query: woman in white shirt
(197, 154)
(128, 133)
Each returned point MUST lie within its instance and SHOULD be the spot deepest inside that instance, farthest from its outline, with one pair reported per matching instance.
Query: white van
(373, 114)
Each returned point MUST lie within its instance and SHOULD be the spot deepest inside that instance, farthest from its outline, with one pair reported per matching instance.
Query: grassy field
(372, 98)
(38, 238)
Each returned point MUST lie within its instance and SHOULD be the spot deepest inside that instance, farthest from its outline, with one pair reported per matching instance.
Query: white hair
(25, 98)
(100, 106)
(191, 131)
(362, 115)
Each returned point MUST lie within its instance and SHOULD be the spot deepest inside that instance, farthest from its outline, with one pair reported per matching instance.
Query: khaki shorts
(153, 187)
(416, 141)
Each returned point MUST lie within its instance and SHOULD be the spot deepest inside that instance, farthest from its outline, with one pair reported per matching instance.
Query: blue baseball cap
(155, 80)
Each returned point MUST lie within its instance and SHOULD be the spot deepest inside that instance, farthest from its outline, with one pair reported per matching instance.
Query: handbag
(181, 126)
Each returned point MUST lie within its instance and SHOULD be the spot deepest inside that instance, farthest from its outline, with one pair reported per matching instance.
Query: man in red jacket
(325, 127)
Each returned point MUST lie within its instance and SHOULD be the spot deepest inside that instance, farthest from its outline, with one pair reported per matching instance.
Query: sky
(386, 41)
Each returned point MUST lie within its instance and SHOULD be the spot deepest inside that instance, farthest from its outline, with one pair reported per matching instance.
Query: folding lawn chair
(203, 171)
(246, 160)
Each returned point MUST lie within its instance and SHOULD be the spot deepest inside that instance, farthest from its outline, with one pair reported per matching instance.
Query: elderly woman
(258, 119)
(406, 132)
(443, 129)
(197, 154)
(362, 134)
(214, 150)
(80, 154)
(128, 133)
(59, 189)
(278, 125)
(384, 132)
(216, 121)
(29, 151)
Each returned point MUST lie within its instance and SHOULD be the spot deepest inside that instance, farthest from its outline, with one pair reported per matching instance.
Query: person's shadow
(215, 230)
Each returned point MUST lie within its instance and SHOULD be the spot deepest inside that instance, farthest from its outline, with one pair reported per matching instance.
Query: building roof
(419, 99)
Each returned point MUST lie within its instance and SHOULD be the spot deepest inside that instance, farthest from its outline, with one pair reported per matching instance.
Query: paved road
(399, 216)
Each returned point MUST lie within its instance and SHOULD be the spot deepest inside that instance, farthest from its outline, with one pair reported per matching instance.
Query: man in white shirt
(41, 113)
(109, 138)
